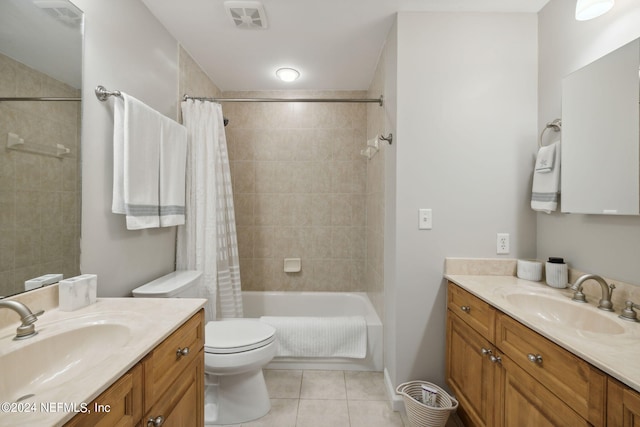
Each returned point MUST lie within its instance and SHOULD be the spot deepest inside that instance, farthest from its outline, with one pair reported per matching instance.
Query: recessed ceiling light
(287, 74)
(589, 9)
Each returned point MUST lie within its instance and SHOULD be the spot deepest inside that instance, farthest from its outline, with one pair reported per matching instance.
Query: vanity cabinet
(623, 405)
(165, 388)
(469, 370)
(505, 374)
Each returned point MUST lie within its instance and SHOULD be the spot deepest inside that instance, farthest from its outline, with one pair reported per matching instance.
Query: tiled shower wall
(299, 186)
(39, 195)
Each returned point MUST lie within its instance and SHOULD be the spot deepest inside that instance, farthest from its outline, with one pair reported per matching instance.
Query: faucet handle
(628, 313)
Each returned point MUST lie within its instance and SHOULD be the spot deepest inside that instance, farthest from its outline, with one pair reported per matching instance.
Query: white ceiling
(334, 44)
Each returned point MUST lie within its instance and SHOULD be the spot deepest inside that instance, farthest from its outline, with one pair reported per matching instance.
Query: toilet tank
(179, 284)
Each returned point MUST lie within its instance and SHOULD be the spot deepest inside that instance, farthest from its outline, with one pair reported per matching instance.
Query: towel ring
(556, 125)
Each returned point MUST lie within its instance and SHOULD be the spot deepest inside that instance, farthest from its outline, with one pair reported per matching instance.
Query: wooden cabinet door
(119, 406)
(470, 373)
(524, 402)
(623, 405)
(182, 403)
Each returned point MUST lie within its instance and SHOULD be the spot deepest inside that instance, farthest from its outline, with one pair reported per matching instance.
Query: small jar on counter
(557, 272)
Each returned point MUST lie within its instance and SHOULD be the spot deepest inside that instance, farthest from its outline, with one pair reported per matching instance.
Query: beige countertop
(617, 354)
(147, 322)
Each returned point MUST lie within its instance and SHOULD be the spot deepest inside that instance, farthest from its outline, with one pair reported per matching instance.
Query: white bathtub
(328, 304)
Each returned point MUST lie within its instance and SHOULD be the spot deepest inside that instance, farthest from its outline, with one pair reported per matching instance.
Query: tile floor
(328, 399)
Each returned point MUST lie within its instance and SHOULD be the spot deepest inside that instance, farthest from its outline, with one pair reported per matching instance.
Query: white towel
(136, 142)
(320, 336)
(546, 183)
(149, 165)
(173, 162)
(545, 158)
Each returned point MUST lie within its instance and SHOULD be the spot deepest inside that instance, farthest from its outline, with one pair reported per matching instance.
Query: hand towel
(173, 163)
(319, 336)
(137, 136)
(545, 158)
(546, 184)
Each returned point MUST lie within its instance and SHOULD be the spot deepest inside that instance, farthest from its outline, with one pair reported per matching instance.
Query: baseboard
(397, 404)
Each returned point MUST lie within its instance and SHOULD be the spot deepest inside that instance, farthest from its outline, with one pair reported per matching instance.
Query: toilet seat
(236, 336)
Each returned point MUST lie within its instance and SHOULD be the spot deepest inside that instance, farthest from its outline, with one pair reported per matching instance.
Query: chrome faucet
(27, 329)
(607, 290)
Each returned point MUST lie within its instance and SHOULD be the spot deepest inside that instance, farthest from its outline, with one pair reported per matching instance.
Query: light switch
(425, 219)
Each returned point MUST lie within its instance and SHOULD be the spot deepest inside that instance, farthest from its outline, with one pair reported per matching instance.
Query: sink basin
(56, 356)
(566, 313)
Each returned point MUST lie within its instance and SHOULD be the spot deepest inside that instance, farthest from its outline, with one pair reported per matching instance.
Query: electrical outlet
(502, 244)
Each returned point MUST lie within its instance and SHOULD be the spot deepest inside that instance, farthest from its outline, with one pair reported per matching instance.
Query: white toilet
(235, 352)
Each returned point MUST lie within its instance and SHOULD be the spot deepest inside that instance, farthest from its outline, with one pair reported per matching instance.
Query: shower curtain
(207, 241)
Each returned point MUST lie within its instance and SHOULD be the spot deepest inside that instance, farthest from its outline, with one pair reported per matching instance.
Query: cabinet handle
(485, 351)
(465, 308)
(495, 359)
(155, 422)
(535, 358)
(182, 352)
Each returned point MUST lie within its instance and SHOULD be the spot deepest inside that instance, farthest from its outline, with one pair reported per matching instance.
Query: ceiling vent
(246, 14)
(61, 10)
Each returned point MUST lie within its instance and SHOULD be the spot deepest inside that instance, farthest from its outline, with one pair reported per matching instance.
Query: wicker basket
(421, 415)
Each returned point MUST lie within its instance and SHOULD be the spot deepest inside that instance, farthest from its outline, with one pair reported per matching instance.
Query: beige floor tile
(322, 413)
(364, 413)
(323, 385)
(365, 385)
(283, 413)
(283, 384)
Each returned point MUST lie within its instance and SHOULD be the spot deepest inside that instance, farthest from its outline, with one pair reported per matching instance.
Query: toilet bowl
(235, 351)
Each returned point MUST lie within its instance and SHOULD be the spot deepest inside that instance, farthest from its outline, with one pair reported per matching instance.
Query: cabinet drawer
(574, 381)
(120, 405)
(166, 362)
(472, 310)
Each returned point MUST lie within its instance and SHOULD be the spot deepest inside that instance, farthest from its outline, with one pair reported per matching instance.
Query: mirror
(600, 171)
(40, 59)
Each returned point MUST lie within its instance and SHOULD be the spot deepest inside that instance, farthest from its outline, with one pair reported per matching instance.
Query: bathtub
(258, 304)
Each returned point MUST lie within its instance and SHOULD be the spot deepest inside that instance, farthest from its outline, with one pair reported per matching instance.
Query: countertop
(616, 354)
(149, 321)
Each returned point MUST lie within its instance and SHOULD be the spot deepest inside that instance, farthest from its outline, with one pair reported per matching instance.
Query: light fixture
(589, 9)
(287, 74)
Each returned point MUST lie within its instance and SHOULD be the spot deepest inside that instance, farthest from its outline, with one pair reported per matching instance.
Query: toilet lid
(235, 336)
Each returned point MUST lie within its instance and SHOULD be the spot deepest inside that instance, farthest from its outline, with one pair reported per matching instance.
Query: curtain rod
(379, 101)
(33, 98)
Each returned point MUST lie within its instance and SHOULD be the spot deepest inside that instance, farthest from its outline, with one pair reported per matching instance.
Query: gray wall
(126, 49)
(465, 138)
(606, 245)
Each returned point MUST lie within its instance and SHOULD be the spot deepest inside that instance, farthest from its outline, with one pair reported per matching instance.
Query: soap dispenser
(557, 272)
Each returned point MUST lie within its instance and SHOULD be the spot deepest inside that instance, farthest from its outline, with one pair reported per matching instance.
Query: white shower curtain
(207, 241)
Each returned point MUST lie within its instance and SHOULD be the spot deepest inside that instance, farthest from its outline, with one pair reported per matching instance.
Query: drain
(25, 397)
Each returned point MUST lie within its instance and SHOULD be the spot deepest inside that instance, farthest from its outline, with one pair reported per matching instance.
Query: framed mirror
(600, 171)
(40, 120)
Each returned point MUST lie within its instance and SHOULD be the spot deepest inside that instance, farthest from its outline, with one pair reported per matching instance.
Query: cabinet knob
(485, 351)
(182, 352)
(534, 358)
(495, 359)
(465, 308)
(155, 422)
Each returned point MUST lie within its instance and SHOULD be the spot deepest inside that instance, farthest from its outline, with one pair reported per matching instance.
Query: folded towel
(546, 183)
(173, 162)
(137, 135)
(545, 159)
(320, 336)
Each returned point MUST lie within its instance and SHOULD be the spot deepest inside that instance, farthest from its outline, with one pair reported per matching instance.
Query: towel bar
(556, 125)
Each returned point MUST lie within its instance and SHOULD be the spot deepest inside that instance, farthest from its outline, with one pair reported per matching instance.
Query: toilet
(235, 351)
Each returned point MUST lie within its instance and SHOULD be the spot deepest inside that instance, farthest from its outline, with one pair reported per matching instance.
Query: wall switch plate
(502, 244)
(425, 219)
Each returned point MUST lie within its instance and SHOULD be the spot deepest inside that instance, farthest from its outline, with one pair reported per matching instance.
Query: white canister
(557, 273)
(529, 270)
